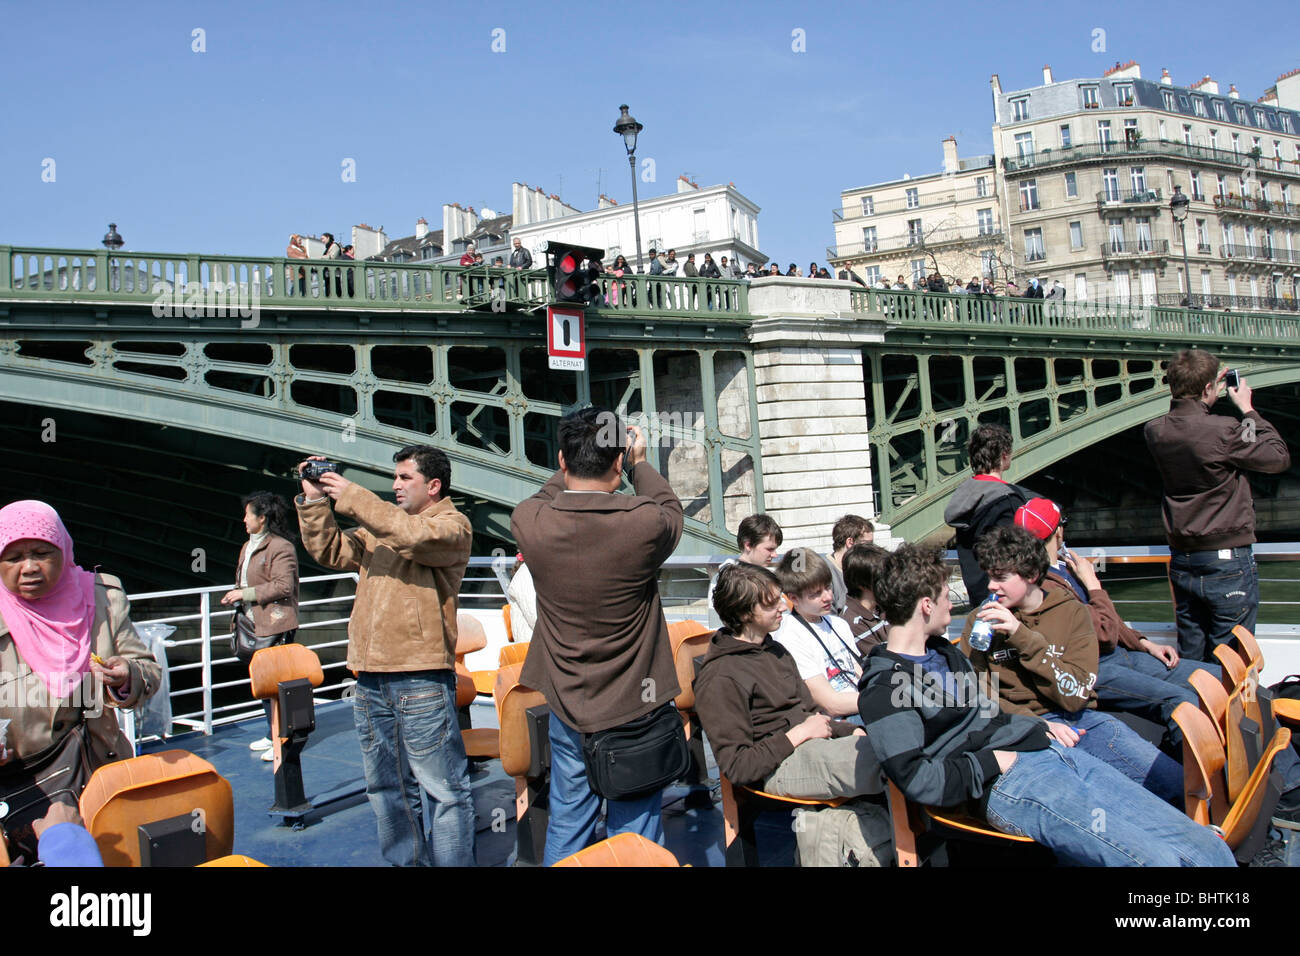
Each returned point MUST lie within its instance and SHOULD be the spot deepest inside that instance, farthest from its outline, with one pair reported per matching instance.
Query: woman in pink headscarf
(67, 647)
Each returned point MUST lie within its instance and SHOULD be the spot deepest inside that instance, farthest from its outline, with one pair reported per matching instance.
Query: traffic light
(574, 272)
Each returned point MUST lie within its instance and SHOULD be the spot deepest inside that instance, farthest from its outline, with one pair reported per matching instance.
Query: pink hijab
(52, 633)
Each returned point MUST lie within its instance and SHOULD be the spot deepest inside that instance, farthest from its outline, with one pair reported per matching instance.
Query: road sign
(566, 339)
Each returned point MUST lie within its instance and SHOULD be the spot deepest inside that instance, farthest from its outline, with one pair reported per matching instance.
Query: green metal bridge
(143, 392)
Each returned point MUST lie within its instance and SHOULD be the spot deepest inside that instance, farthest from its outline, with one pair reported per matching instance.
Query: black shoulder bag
(244, 642)
(637, 758)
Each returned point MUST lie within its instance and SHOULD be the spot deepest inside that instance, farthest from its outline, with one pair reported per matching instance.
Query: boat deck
(343, 833)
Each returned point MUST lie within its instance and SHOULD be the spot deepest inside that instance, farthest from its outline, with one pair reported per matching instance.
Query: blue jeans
(1090, 815)
(1211, 596)
(575, 810)
(1138, 683)
(1115, 743)
(417, 777)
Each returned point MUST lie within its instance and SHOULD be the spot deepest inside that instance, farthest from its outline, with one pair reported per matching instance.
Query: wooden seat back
(689, 641)
(1234, 668)
(470, 635)
(127, 793)
(624, 849)
(513, 700)
(234, 860)
(1240, 820)
(908, 823)
(272, 665)
(1204, 784)
(1237, 765)
(513, 654)
(1248, 647)
(1214, 699)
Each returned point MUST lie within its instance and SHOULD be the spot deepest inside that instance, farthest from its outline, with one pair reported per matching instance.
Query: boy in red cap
(1134, 674)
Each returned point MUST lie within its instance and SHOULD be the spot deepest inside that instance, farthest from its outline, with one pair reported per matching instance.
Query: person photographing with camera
(411, 558)
(1208, 510)
(600, 650)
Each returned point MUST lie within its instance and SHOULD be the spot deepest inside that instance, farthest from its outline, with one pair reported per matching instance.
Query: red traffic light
(571, 281)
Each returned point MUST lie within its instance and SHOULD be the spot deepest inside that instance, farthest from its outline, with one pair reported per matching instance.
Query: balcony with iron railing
(1100, 152)
(1256, 206)
(894, 245)
(1113, 199)
(1135, 249)
(882, 207)
(1262, 252)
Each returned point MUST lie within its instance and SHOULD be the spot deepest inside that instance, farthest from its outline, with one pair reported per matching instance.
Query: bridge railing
(218, 285)
(999, 312)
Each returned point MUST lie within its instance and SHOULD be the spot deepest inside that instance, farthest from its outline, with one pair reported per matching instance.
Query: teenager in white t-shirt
(821, 643)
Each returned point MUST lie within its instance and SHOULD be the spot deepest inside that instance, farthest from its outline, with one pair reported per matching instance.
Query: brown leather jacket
(411, 566)
(273, 583)
(1203, 460)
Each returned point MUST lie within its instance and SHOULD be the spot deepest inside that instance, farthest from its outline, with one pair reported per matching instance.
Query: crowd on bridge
(828, 677)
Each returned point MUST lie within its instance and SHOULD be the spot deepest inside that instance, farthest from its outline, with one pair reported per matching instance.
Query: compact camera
(1232, 379)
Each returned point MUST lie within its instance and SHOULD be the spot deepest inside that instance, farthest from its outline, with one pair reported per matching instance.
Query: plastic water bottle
(981, 633)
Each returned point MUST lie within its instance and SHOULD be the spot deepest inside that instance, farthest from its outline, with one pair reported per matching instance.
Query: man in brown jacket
(600, 650)
(402, 645)
(1208, 510)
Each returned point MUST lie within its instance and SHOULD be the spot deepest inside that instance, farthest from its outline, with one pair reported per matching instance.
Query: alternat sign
(566, 338)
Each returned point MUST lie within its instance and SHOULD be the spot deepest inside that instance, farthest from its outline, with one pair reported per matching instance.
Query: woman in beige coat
(67, 648)
(268, 580)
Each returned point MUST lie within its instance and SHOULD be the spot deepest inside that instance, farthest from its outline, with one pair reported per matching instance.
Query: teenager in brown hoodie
(761, 722)
(1044, 657)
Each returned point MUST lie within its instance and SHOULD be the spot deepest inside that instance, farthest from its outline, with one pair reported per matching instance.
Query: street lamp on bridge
(628, 127)
(1178, 209)
(113, 241)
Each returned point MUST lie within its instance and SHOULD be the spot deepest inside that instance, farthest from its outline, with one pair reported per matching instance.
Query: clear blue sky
(232, 149)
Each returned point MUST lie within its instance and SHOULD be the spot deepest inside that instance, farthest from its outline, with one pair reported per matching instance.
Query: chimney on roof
(1047, 75)
(1206, 85)
(1288, 90)
(1165, 78)
(950, 163)
(421, 228)
(1232, 91)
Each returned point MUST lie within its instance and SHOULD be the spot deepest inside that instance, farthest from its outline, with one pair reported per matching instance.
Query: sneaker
(268, 755)
(258, 745)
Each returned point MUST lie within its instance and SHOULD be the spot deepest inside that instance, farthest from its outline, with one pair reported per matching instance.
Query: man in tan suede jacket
(411, 558)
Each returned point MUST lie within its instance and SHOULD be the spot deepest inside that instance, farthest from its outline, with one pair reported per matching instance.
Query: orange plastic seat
(234, 860)
(123, 795)
(513, 700)
(624, 849)
(284, 662)
(272, 665)
(470, 635)
(689, 640)
(512, 654)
